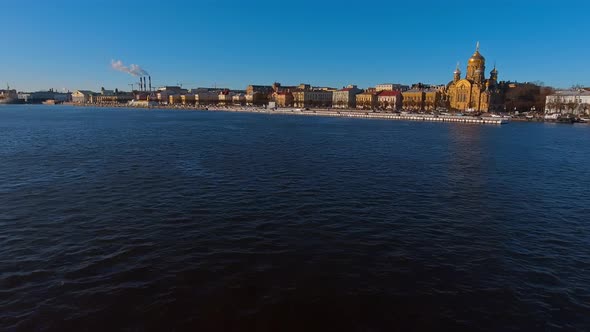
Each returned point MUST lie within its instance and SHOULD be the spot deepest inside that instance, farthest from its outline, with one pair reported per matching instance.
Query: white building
(163, 94)
(239, 99)
(575, 102)
(82, 96)
(390, 100)
(225, 96)
(345, 98)
(391, 87)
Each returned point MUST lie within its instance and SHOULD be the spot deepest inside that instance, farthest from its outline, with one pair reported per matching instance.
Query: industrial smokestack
(144, 84)
(150, 78)
(140, 83)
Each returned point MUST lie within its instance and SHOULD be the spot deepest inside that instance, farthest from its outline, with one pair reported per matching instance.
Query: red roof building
(390, 100)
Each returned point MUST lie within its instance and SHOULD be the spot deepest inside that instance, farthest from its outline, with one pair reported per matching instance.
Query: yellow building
(187, 99)
(312, 98)
(413, 100)
(432, 99)
(366, 100)
(174, 99)
(283, 99)
(474, 92)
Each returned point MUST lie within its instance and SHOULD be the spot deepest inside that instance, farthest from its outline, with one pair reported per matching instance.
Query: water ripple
(131, 220)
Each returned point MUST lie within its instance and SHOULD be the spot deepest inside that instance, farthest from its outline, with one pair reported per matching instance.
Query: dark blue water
(174, 220)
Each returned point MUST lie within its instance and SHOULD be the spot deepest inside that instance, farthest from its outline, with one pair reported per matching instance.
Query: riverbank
(385, 116)
(347, 113)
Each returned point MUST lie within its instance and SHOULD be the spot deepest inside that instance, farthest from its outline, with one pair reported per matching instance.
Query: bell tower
(494, 74)
(476, 66)
(457, 73)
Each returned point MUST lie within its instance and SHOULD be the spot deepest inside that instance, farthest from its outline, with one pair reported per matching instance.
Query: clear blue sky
(70, 44)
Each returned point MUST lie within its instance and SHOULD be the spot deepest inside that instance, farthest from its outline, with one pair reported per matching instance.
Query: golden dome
(476, 57)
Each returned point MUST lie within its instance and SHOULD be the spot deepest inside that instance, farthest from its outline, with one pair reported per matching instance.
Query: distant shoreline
(345, 113)
(331, 112)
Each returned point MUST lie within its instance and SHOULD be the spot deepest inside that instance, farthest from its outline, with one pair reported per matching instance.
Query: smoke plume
(133, 69)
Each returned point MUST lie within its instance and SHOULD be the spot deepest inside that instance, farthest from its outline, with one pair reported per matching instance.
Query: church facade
(474, 92)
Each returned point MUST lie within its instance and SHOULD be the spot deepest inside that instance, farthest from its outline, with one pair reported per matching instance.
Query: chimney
(150, 78)
(140, 83)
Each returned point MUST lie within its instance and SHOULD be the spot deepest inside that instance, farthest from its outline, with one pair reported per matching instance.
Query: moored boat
(8, 96)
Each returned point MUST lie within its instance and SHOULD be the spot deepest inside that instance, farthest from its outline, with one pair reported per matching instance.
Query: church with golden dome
(475, 92)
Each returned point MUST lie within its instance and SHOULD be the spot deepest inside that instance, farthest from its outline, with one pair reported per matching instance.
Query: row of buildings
(383, 96)
(11, 96)
(418, 97)
(471, 92)
(103, 97)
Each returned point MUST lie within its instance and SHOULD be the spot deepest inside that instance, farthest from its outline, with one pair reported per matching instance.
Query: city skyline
(68, 45)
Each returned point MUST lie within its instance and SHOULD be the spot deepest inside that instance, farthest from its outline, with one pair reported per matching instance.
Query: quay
(386, 116)
(344, 113)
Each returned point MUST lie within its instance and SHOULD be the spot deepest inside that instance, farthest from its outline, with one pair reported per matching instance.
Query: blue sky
(70, 44)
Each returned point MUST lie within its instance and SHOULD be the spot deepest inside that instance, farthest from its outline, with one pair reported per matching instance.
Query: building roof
(571, 93)
(387, 93)
(374, 93)
(477, 56)
(165, 88)
(310, 91)
(431, 90)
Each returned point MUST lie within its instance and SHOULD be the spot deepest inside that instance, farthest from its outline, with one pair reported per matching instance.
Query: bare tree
(572, 106)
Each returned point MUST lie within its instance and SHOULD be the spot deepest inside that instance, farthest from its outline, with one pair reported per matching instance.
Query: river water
(115, 219)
